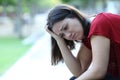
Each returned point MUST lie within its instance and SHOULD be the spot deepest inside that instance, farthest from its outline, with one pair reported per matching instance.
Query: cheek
(55, 31)
(81, 35)
(76, 27)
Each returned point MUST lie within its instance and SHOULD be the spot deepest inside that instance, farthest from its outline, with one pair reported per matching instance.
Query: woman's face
(69, 28)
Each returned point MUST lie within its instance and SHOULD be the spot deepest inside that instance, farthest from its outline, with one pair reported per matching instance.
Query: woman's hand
(55, 36)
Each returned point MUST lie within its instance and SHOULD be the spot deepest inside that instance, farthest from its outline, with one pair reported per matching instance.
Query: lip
(73, 36)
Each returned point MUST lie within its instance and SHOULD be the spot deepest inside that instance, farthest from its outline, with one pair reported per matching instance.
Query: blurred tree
(5, 3)
(89, 5)
(8, 2)
(77, 3)
(28, 5)
(22, 6)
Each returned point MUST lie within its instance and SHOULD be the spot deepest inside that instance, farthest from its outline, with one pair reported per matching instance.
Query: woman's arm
(85, 57)
(72, 62)
(100, 58)
(76, 65)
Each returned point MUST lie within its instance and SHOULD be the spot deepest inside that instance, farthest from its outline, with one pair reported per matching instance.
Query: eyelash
(65, 28)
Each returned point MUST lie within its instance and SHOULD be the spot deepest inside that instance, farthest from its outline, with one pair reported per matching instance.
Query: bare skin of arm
(85, 57)
(100, 58)
(76, 65)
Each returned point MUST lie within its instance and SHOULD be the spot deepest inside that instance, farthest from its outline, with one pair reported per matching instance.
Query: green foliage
(66, 1)
(8, 2)
(11, 49)
(27, 5)
(79, 3)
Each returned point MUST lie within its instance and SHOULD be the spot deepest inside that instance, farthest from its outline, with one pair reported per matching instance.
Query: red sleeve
(100, 26)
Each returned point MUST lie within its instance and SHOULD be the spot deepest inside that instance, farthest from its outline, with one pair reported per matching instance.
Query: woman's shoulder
(104, 14)
(98, 16)
(107, 15)
(100, 26)
(99, 19)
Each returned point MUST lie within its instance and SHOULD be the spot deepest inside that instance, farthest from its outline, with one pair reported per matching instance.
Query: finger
(46, 27)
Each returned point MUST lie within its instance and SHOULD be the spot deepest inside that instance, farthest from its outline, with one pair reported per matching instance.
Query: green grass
(11, 49)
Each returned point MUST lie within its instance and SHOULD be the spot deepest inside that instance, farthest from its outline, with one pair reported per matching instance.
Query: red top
(108, 25)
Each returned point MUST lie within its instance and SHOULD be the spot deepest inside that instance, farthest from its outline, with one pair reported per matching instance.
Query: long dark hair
(57, 14)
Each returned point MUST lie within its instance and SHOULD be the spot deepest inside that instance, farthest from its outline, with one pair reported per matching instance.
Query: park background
(25, 45)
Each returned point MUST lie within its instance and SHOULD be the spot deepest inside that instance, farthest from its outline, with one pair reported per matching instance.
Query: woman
(99, 54)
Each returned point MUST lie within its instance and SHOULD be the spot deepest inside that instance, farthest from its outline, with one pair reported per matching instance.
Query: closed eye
(65, 28)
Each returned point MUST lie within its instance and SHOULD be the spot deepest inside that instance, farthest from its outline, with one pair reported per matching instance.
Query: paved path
(35, 65)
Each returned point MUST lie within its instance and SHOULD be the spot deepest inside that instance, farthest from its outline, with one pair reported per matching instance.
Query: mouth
(73, 36)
